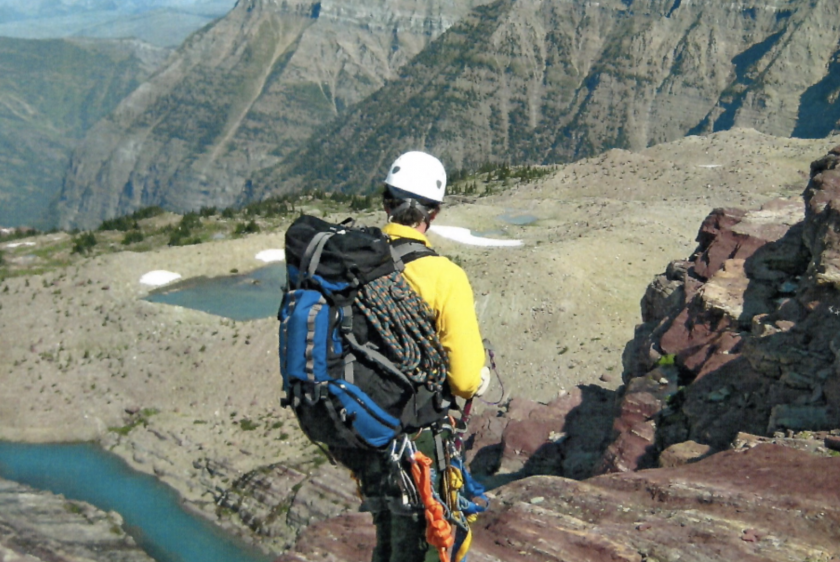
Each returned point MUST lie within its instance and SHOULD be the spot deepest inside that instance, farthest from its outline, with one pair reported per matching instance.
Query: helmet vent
(395, 169)
(439, 183)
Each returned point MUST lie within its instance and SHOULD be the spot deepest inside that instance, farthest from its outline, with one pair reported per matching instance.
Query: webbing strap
(312, 255)
(406, 250)
(310, 338)
(373, 355)
(349, 359)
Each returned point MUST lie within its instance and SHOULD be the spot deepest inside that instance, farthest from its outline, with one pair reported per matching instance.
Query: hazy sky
(161, 22)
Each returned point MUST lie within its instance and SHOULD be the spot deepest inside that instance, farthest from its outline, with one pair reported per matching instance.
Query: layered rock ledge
(39, 526)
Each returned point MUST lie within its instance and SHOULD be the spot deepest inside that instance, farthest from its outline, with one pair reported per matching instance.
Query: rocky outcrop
(279, 502)
(555, 81)
(39, 526)
(239, 96)
(748, 504)
(742, 336)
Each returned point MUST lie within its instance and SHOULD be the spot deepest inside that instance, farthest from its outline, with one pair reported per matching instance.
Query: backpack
(360, 360)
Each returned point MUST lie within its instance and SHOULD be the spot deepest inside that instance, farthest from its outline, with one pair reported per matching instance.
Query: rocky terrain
(41, 527)
(546, 82)
(194, 398)
(238, 96)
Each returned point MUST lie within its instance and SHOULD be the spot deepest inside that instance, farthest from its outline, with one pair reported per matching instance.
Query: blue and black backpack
(359, 355)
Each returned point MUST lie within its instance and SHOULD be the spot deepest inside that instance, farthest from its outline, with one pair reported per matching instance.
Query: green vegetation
(183, 234)
(669, 359)
(19, 233)
(84, 243)
(152, 227)
(248, 425)
(140, 418)
(133, 237)
(250, 228)
(73, 507)
(130, 222)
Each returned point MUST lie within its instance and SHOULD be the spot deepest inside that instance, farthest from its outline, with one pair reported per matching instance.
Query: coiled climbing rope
(407, 327)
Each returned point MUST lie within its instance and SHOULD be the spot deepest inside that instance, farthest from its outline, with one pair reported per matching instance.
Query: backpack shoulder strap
(406, 250)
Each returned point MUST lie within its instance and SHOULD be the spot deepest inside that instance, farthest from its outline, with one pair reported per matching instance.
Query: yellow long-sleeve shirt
(446, 288)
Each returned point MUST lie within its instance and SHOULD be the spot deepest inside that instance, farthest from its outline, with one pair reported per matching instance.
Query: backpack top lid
(354, 255)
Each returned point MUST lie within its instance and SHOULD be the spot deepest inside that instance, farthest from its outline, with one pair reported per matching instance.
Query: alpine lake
(151, 510)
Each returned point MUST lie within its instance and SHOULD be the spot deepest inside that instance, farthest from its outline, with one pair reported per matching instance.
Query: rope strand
(406, 324)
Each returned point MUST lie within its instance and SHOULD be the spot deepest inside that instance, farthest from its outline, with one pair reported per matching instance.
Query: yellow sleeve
(459, 334)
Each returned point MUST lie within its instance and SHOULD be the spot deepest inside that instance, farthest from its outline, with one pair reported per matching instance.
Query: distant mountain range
(555, 81)
(276, 97)
(51, 93)
(239, 96)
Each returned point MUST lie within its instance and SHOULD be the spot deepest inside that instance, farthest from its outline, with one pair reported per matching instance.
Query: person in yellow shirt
(414, 189)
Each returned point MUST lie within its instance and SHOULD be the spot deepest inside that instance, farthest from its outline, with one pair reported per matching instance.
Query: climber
(412, 196)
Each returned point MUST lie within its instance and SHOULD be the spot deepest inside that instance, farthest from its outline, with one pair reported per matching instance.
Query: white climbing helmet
(420, 174)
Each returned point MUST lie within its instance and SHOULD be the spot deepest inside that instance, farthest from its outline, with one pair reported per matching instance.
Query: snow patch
(271, 255)
(709, 165)
(16, 244)
(464, 236)
(159, 277)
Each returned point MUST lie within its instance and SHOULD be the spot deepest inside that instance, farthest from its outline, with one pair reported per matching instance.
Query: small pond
(518, 219)
(247, 296)
(151, 510)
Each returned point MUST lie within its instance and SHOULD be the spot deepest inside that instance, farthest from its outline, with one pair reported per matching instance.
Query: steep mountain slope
(51, 93)
(553, 81)
(239, 96)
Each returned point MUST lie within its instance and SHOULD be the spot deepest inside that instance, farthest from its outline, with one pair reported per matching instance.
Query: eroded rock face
(750, 504)
(39, 526)
(238, 96)
(742, 336)
(277, 502)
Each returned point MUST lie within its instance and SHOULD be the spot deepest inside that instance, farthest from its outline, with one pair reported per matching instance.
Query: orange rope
(438, 530)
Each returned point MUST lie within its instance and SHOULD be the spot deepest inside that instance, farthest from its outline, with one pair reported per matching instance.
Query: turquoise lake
(151, 510)
(247, 296)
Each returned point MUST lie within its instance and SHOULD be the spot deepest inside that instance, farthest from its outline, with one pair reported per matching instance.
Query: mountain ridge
(238, 96)
(591, 79)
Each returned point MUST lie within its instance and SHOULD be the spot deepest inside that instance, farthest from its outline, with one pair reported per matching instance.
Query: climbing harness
(448, 514)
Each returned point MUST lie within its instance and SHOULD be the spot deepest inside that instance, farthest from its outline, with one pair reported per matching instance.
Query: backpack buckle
(317, 393)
